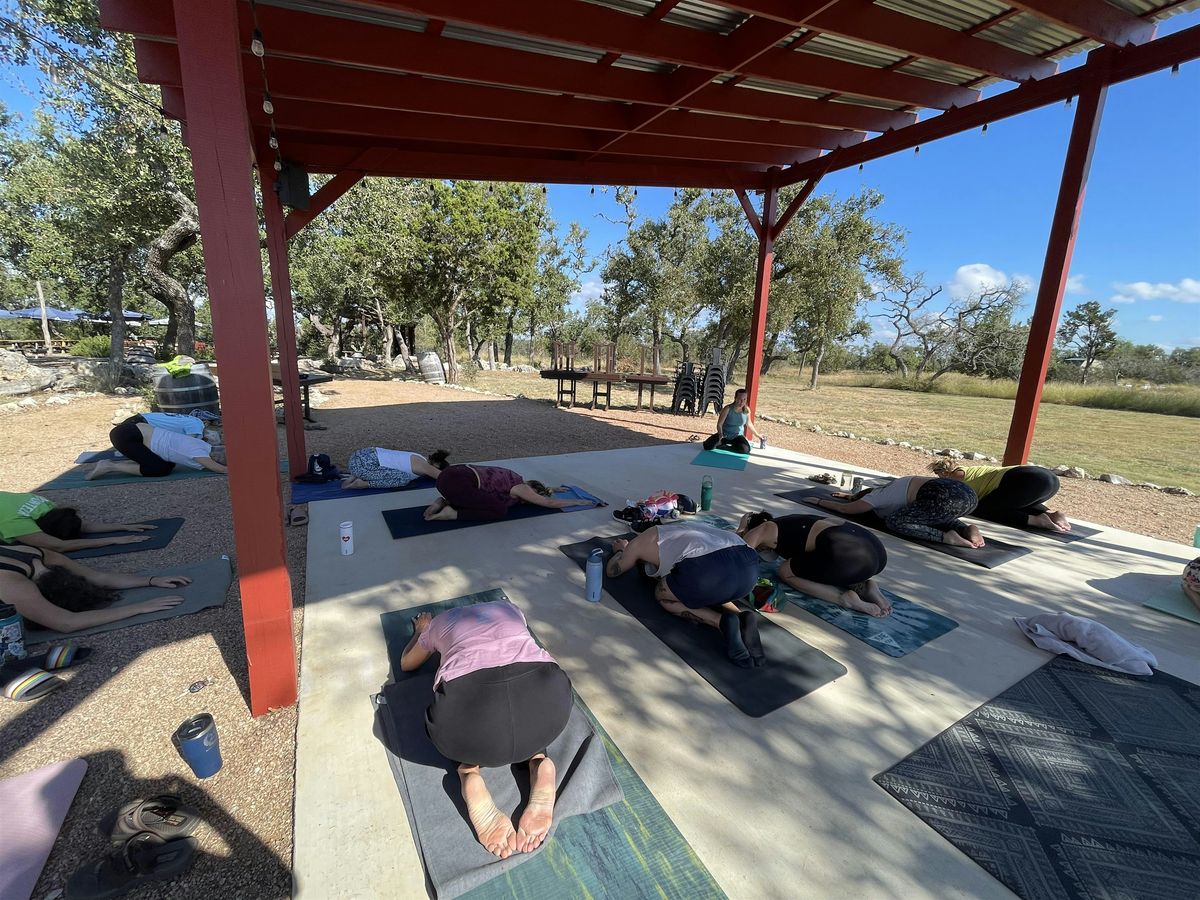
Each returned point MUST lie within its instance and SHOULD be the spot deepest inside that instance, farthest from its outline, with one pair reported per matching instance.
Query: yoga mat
(908, 628)
(993, 553)
(1077, 533)
(74, 478)
(157, 539)
(409, 521)
(793, 668)
(303, 492)
(35, 805)
(210, 582)
(629, 848)
(721, 459)
(91, 456)
(1076, 782)
(1161, 593)
(1175, 603)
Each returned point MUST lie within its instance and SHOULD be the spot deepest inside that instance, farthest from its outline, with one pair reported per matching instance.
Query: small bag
(320, 470)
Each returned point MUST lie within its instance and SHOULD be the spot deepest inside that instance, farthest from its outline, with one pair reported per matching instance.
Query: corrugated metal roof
(351, 11)
(519, 42)
(704, 16)
(957, 14)
(851, 51)
(940, 71)
(1030, 34)
(774, 87)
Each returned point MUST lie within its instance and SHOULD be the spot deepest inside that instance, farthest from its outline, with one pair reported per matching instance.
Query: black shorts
(499, 716)
(714, 578)
(126, 439)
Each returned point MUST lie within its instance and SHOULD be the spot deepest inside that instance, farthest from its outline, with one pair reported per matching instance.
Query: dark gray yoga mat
(993, 553)
(794, 668)
(1076, 782)
(163, 533)
(1077, 533)
(210, 583)
(409, 521)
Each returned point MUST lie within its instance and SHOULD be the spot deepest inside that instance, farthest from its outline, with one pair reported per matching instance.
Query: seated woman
(733, 423)
(926, 509)
(700, 571)
(37, 522)
(380, 468)
(54, 592)
(488, 492)
(1011, 495)
(498, 699)
(154, 452)
(827, 558)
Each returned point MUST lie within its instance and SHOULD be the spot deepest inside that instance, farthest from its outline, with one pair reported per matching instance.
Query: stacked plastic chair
(686, 393)
(713, 390)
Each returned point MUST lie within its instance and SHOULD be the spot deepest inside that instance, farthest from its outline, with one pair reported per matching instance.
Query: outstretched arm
(113, 581)
(527, 494)
(49, 542)
(211, 464)
(414, 655)
(29, 602)
(102, 527)
(850, 507)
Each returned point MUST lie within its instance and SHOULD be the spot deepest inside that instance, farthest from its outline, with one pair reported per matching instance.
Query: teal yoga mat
(721, 459)
(630, 849)
(1174, 603)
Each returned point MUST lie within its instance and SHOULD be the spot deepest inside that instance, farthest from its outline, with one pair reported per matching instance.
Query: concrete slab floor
(781, 806)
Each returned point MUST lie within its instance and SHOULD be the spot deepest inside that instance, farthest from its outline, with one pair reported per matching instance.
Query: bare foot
(1057, 521)
(851, 600)
(539, 812)
(869, 592)
(434, 508)
(98, 470)
(492, 827)
(354, 484)
(975, 536)
(954, 539)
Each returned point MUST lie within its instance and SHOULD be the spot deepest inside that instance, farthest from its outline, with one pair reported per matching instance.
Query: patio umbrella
(53, 314)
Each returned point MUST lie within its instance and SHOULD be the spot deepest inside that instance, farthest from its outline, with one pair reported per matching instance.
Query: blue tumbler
(12, 635)
(197, 742)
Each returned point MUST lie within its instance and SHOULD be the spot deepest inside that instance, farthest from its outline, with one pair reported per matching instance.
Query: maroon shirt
(479, 492)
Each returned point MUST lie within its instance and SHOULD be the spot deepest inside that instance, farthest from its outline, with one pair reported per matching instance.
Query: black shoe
(735, 648)
(748, 625)
(144, 857)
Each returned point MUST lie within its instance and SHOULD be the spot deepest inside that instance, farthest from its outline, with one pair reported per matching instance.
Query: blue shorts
(715, 578)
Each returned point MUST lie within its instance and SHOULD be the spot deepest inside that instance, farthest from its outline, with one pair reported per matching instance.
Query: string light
(273, 142)
(917, 150)
(860, 166)
(984, 129)
(278, 165)
(1068, 103)
(1174, 70)
(256, 45)
(268, 106)
(635, 192)
(593, 190)
(259, 49)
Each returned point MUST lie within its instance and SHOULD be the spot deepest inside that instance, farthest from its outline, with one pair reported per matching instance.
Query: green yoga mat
(626, 851)
(721, 459)
(210, 584)
(1174, 603)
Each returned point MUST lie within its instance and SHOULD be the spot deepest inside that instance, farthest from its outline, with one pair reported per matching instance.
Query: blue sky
(978, 207)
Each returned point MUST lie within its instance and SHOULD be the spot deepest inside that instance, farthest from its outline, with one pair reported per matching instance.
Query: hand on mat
(421, 621)
(132, 539)
(157, 604)
(138, 527)
(170, 581)
(812, 501)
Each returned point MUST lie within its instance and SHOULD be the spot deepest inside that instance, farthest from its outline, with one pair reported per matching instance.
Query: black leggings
(934, 510)
(127, 439)
(499, 716)
(737, 444)
(1022, 492)
(842, 555)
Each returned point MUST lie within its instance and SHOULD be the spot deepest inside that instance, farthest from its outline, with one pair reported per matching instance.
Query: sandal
(144, 857)
(63, 656)
(32, 684)
(164, 815)
(296, 517)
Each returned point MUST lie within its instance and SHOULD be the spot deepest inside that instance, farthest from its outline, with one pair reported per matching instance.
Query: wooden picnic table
(307, 380)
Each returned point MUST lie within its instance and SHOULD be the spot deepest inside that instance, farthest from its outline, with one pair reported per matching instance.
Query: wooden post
(285, 320)
(762, 290)
(222, 159)
(1059, 248)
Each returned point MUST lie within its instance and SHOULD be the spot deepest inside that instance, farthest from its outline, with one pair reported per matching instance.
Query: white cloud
(1075, 285)
(975, 277)
(1186, 290)
(589, 290)
(1154, 318)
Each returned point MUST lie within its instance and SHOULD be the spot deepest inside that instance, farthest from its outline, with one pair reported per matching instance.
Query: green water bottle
(706, 491)
(1196, 537)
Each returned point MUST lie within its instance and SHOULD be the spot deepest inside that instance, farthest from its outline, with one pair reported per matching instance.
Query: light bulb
(268, 106)
(256, 45)
(278, 166)
(984, 129)
(273, 142)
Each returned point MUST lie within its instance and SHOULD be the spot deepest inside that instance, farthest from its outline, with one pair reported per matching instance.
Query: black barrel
(183, 395)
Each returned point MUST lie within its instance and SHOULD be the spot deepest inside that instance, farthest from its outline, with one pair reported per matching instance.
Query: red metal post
(1059, 249)
(219, 135)
(285, 321)
(762, 289)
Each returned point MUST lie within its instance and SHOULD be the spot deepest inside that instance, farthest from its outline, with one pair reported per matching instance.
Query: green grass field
(1141, 446)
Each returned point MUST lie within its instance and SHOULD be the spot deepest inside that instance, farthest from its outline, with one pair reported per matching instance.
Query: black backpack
(320, 470)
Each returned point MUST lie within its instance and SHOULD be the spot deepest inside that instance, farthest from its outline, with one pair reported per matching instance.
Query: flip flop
(163, 815)
(63, 656)
(32, 684)
(143, 858)
(296, 517)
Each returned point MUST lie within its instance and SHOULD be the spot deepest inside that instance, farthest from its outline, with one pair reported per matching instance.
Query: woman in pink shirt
(487, 492)
(498, 699)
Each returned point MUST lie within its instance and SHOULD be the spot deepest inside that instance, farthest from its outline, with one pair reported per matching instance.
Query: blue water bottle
(197, 742)
(594, 575)
(12, 634)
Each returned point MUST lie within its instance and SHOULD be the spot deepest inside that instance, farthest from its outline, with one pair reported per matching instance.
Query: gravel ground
(122, 705)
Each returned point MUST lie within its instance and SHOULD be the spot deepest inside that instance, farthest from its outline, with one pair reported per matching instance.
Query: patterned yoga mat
(1076, 782)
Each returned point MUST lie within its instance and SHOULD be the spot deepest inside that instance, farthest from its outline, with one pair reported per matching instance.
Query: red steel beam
(1059, 248)
(331, 191)
(1096, 19)
(751, 215)
(219, 136)
(285, 319)
(762, 291)
(1124, 65)
(794, 207)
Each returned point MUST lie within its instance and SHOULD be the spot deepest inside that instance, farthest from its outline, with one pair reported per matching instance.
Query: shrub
(96, 345)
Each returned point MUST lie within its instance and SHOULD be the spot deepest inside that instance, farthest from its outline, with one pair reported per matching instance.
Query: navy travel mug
(197, 742)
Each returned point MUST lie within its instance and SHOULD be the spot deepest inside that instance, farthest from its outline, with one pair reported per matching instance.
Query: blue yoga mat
(908, 628)
(410, 522)
(163, 533)
(721, 459)
(303, 492)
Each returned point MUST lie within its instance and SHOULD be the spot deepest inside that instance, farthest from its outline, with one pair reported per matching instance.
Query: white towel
(1088, 642)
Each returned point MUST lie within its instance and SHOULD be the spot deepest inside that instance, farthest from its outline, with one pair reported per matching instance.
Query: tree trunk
(1086, 370)
(45, 322)
(405, 349)
(163, 287)
(769, 356)
(816, 370)
(116, 310)
(329, 332)
(803, 361)
(734, 356)
(508, 337)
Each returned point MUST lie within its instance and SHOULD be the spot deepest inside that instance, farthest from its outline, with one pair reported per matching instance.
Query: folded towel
(1088, 642)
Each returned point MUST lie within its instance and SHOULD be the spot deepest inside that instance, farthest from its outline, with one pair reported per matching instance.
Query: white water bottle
(346, 538)
(594, 576)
